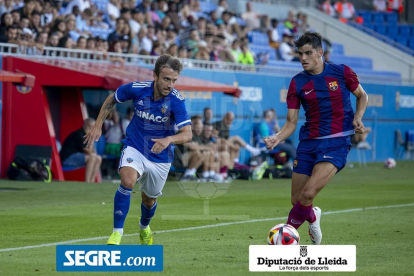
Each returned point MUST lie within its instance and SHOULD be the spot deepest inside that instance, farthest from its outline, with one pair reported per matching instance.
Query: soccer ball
(390, 163)
(283, 234)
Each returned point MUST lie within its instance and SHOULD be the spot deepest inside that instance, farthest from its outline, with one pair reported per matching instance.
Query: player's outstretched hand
(358, 126)
(160, 144)
(271, 142)
(93, 135)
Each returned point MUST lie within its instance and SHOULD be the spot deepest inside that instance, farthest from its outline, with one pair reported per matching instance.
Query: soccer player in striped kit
(150, 136)
(323, 90)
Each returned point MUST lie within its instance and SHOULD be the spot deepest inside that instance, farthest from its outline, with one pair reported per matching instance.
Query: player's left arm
(184, 136)
(361, 106)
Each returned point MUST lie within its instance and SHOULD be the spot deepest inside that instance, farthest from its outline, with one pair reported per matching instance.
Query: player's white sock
(142, 227)
(120, 230)
(252, 150)
(206, 174)
(211, 173)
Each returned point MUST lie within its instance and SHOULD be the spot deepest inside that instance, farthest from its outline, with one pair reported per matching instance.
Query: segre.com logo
(109, 258)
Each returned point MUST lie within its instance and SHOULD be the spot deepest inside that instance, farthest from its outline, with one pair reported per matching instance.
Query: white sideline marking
(205, 226)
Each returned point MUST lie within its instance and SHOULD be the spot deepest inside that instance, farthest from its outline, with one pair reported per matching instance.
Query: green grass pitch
(37, 214)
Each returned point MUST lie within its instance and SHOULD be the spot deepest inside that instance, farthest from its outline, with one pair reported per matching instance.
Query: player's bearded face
(165, 81)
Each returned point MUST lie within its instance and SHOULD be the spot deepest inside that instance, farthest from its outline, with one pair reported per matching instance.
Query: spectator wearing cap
(136, 17)
(119, 30)
(287, 52)
(82, 5)
(251, 17)
(28, 44)
(113, 11)
(6, 7)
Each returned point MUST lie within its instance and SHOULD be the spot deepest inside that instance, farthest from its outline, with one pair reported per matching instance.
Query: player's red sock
(311, 217)
(298, 214)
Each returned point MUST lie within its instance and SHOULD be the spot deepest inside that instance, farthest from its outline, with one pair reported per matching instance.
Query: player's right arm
(286, 131)
(96, 130)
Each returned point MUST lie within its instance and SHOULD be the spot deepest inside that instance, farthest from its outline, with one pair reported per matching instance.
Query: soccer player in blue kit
(323, 90)
(150, 136)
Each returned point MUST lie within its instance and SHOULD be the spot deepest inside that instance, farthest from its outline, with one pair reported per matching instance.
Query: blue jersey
(152, 119)
(326, 101)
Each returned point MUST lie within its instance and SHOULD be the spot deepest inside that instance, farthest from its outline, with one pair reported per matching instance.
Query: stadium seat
(404, 30)
(402, 40)
(391, 18)
(366, 16)
(380, 29)
(378, 18)
(392, 31)
(369, 25)
(352, 61)
(411, 43)
(337, 48)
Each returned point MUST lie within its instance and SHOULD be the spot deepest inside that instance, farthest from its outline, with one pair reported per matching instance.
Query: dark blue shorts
(310, 152)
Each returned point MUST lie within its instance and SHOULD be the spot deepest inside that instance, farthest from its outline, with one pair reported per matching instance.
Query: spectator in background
(251, 17)
(66, 42)
(6, 7)
(287, 52)
(172, 13)
(208, 115)
(290, 22)
(53, 40)
(136, 17)
(157, 49)
(235, 50)
(119, 31)
(396, 6)
(41, 38)
(6, 20)
(35, 22)
(302, 24)
(81, 4)
(113, 11)
(27, 9)
(144, 43)
(10, 35)
(172, 50)
(81, 43)
(380, 5)
(91, 44)
(49, 13)
(345, 10)
(222, 6)
(327, 8)
(16, 17)
(113, 133)
(246, 57)
(74, 152)
(273, 34)
(127, 119)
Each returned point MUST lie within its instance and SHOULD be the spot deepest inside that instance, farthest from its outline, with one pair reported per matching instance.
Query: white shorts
(152, 175)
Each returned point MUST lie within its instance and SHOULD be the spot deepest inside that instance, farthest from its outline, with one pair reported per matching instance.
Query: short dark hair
(167, 61)
(314, 39)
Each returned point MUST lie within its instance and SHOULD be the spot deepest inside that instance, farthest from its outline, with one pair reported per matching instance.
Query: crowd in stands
(151, 27)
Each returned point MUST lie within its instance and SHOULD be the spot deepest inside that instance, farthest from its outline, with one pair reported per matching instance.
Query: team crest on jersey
(164, 108)
(130, 160)
(333, 86)
(295, 163)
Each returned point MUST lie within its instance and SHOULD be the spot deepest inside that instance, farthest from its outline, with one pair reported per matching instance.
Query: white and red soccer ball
(390, 163)
(283, 234)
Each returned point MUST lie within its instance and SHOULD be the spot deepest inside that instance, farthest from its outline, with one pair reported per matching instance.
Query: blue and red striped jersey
(326, 101)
